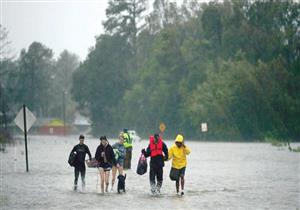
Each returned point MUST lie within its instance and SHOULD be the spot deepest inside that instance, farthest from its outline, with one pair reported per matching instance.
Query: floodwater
(218, 176)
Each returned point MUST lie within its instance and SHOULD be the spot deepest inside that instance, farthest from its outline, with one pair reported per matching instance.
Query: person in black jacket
(155, 149)
(106, 158)
(79, 165)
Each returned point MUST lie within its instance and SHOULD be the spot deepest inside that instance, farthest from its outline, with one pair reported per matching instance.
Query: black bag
(174, 174)
(72, 158)
(142, 165)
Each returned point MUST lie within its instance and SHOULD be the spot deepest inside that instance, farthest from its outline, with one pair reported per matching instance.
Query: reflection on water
(218, 176)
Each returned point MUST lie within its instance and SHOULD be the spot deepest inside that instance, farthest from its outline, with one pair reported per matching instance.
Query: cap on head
(125, 130)
(81, 136)
(179, 138)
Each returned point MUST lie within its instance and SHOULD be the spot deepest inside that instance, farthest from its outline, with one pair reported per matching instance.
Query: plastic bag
(174, 174)
(142, 165)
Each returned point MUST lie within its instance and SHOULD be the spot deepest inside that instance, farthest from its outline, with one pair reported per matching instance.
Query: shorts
(182, 171)
(105, 166)
(120, 161)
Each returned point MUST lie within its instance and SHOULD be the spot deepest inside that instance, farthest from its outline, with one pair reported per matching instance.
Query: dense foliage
(234, 65)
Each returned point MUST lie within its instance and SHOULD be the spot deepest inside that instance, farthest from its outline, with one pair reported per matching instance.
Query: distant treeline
(232, 64)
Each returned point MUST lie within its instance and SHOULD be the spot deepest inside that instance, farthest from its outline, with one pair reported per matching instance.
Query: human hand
(143, 151)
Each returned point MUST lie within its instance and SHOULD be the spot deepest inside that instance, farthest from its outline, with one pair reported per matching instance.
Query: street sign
(204, 127)
(162, 127)
(30, 119)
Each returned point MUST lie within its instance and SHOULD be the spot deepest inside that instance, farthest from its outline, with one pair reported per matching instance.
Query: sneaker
(158, 192)
(75, 187)
(182, 193)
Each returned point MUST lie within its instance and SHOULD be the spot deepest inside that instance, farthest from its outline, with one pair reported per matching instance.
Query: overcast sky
(59, 25)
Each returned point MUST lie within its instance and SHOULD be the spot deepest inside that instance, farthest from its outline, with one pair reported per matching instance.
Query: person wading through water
(79, 165)
(119, 151)
(178, 153)
(106, 158)
(128, 147)
(155, 150)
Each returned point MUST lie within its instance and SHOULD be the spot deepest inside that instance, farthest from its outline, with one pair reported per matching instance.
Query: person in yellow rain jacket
(178, 153)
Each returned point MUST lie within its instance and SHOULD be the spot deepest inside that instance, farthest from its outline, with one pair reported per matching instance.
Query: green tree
(124, 18)
(61, 78)
(100, 82)
(35, 70)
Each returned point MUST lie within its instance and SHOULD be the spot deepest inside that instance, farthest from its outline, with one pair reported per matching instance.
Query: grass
(275, 142)
(278, 143)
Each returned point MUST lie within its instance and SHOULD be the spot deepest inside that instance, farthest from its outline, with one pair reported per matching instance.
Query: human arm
(112, 155)
(98, 154)
(88, 152)
(187, 150)
(74, 149)
(170, 153)
(165, 150)
(146, 152)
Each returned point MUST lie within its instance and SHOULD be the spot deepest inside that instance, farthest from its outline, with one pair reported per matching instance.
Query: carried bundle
(142, 165)
(72, 158)
(93, 163)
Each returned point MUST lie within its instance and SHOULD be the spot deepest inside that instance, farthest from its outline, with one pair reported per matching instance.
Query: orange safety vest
(156, 149)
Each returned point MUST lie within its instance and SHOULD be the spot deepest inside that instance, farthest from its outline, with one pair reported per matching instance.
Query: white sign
(204, 127)
(30, 119)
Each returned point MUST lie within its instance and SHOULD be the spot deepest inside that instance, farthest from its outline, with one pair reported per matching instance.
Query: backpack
(72, 158)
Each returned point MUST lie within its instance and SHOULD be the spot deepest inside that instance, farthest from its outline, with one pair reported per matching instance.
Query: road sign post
(24, 120)
(25, 136)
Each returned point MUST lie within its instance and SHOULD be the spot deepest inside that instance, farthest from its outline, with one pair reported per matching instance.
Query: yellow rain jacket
(179, 156)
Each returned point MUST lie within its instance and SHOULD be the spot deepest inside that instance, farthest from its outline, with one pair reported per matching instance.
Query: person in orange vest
(178, 152)
(155, 150)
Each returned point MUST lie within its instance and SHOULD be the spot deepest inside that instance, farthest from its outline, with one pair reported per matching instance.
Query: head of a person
(156, 138)
(125, 130)
(179, 140)
(103, 140)
(121, 137)
(81, 139)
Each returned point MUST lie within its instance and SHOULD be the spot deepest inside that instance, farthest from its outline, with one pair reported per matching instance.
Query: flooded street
(218, 176)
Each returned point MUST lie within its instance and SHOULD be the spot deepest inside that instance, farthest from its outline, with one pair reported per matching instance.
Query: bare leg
(120, 170)
(177, 186)
(101, 171)
(114, 173)
(106, 180)
(182, 182)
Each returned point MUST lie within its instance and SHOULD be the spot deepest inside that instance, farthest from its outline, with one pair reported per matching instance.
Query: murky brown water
(218, 176)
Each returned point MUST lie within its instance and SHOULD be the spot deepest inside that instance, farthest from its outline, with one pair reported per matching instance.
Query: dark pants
(128, 156)
(156, 172)
(82, 174)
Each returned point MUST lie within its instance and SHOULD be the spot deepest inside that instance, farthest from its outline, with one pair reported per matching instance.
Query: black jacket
(81, 150)
(109, 154)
